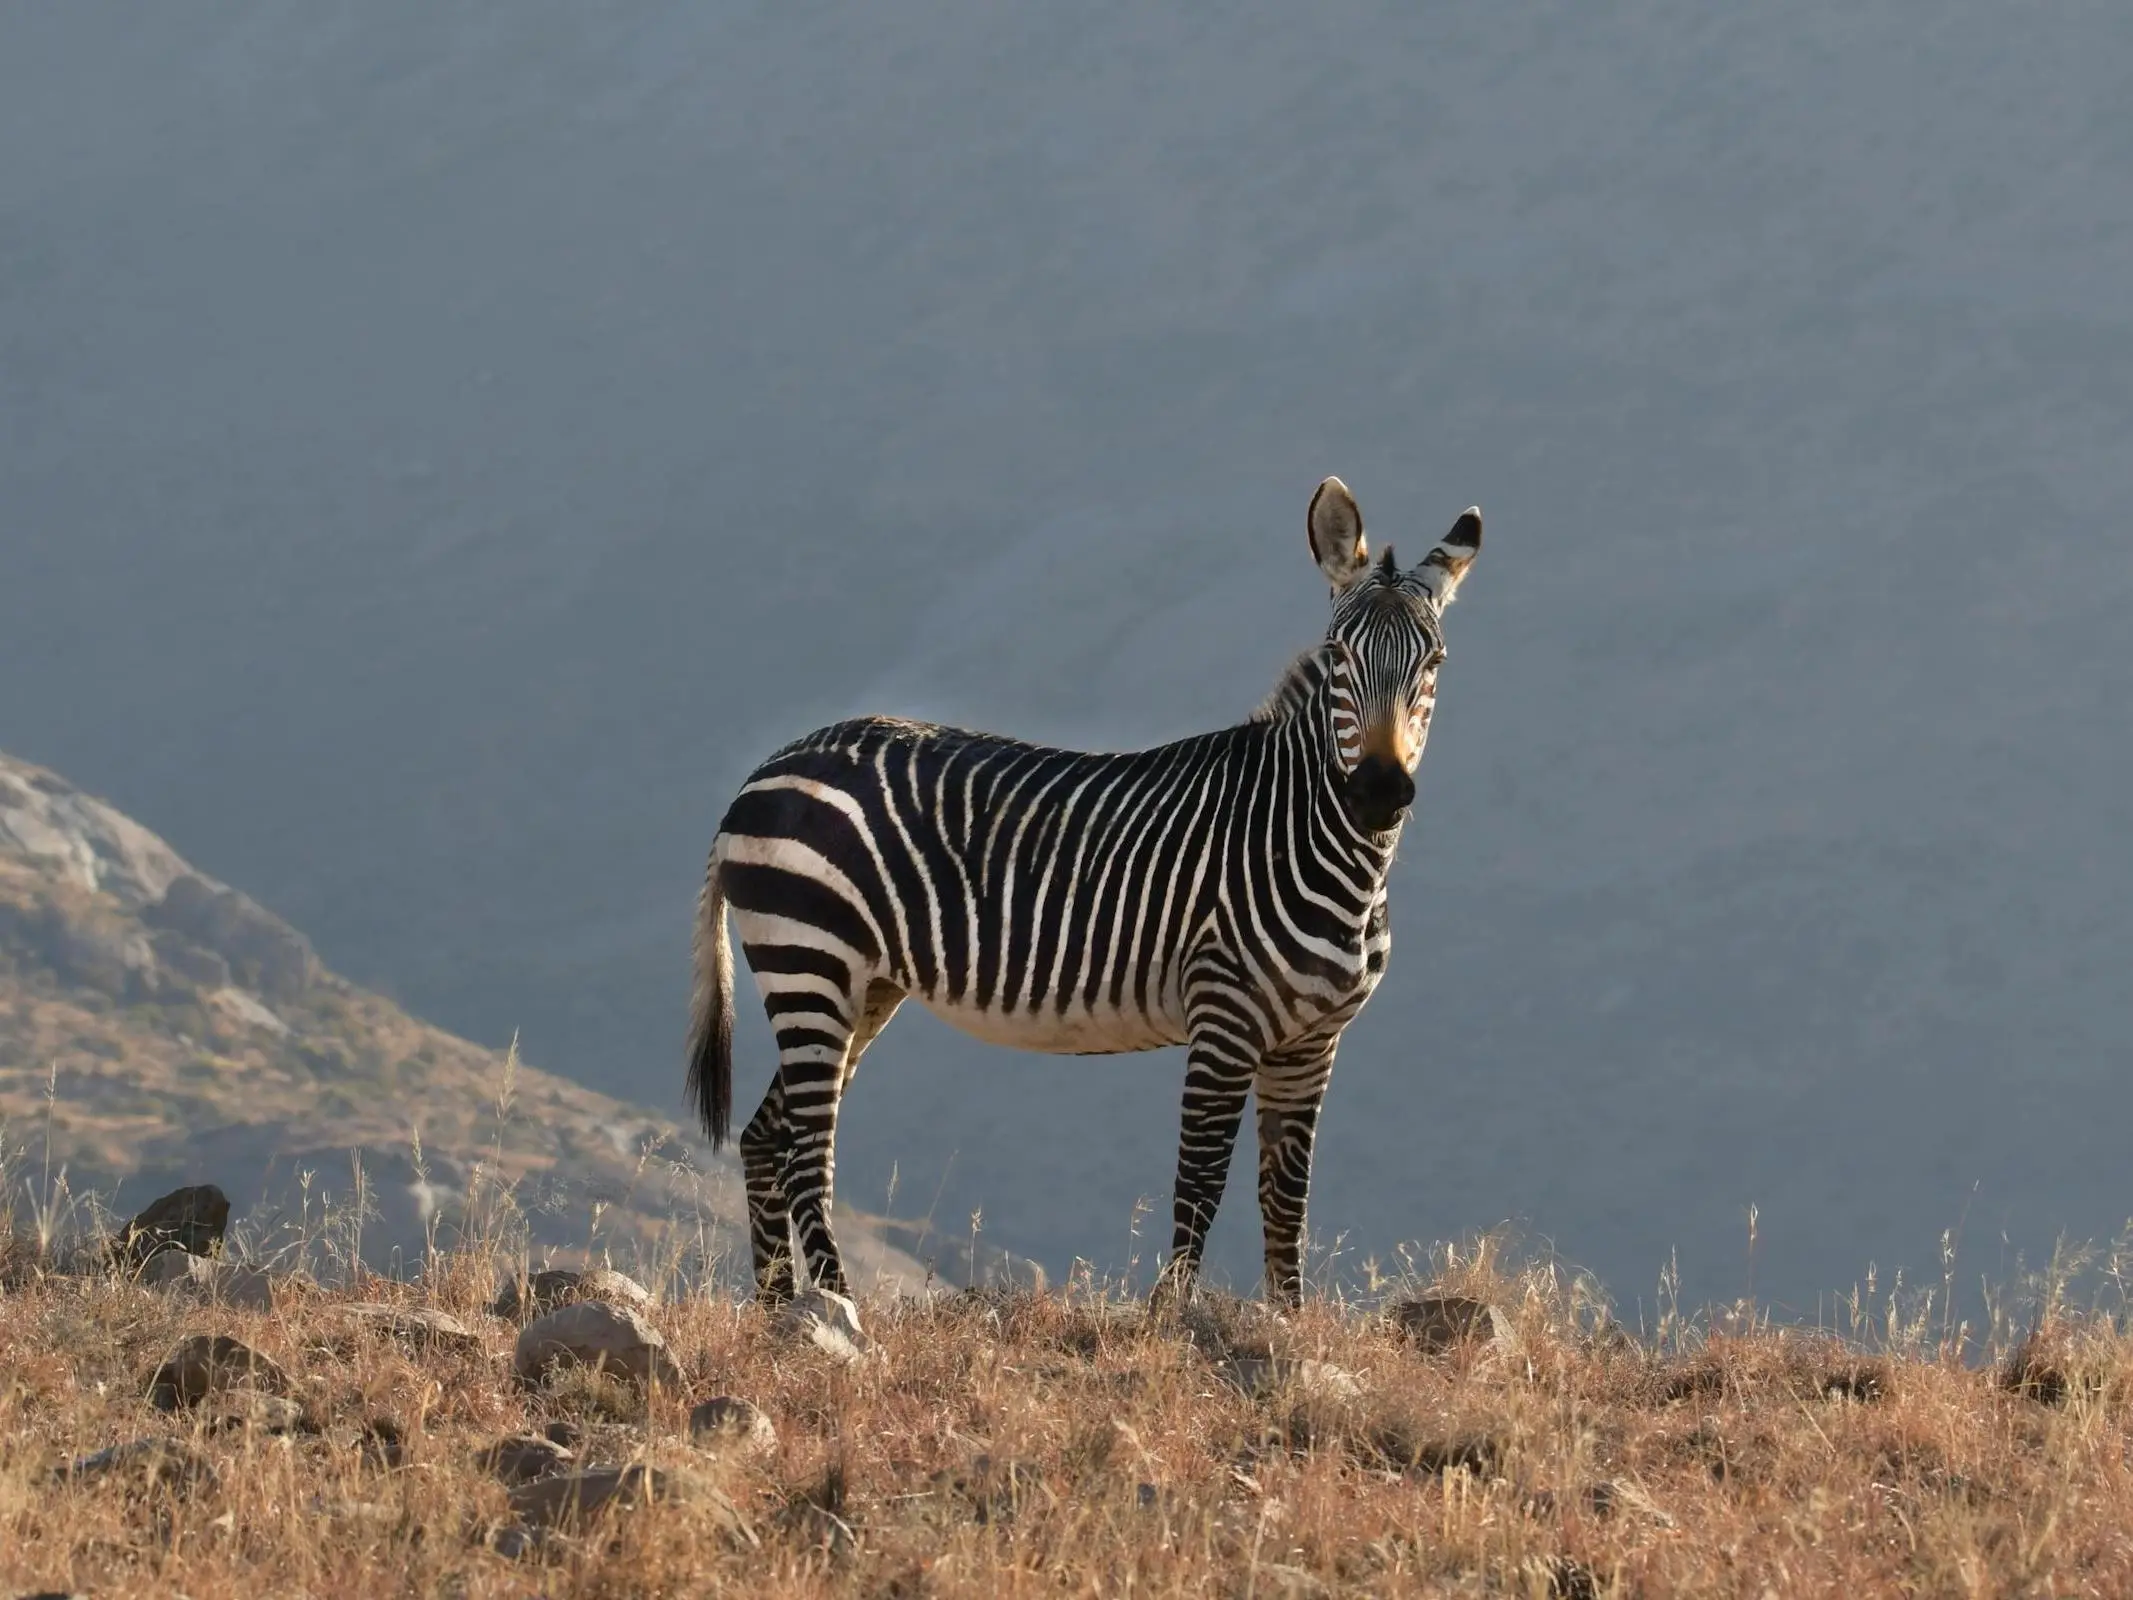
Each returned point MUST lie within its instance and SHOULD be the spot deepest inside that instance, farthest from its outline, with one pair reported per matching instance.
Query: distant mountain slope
(195, 1037)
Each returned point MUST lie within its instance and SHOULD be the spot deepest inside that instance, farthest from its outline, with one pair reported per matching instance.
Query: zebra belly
(1079, 1033)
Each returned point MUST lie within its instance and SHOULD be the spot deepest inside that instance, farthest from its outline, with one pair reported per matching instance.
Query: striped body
(1225, 892)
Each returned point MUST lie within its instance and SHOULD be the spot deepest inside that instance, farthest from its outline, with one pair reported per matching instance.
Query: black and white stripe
(1226, 892)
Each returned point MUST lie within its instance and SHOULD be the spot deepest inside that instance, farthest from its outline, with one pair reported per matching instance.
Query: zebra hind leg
(763, 1144)
(816, 1063)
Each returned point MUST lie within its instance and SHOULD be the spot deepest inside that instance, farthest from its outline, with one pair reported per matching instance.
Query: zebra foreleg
(769, 1220)
(1290, 1091)
(1215, 1088)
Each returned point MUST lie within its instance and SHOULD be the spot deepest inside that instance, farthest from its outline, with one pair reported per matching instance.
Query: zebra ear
(1444, 568)
(1336, 526)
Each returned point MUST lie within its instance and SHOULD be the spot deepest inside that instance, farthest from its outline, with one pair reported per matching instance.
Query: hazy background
(443, 448)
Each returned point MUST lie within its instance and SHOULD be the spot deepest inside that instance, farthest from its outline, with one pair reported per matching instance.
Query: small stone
(417, 1326)
(245, 1411)
(1260, 1376)
(524, 1457)
(522, 1299)
(382, 1445)
(830, 1322)
(152, 1463)
(595, 1334)
(1441, 1322)
(570, 1499)
(212, 1363)
(514, 1541)
(212, 1279)
(192, 1220)
(728, 1423)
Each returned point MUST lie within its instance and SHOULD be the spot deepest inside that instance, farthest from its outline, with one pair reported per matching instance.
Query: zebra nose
(1378, 792)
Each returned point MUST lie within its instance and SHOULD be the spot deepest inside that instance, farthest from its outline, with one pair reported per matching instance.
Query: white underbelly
(1079, 1032)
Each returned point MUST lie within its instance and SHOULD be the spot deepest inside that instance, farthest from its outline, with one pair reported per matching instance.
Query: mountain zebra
(1226, 892)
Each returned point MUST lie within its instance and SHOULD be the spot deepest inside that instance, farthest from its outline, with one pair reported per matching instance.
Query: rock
(185, 963)
(524, 1457)
(211, 1364)
(522, 1299)
(569, 1500)
(1441, 1322)
(190, 1220)
(212, 1279)
(994, 1489)
(150, 1463)
(382, 1445)
(263, 952)
(46, 820)
(416, 1326)
(595, 1334)
(830, 1322)
(728, 1424)
(514, 1541)
(248, 1411)
(1260, 1376)
(90, 946)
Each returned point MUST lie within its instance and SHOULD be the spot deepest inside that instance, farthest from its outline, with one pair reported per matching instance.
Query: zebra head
(1387, 642)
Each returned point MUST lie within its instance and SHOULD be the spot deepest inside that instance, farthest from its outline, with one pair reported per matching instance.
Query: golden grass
(1062, 1445)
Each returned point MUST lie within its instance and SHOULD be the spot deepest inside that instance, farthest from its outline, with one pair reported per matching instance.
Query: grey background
(442, 448)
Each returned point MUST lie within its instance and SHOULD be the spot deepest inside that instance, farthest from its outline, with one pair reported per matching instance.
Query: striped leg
(1290, 1088)
(769, 1221)
(1218, 1076)
(818, 1055)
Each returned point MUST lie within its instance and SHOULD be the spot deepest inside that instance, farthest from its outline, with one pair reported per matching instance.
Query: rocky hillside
(159, 1027)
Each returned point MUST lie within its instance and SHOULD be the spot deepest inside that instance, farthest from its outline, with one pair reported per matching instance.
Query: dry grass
(1061, 1445)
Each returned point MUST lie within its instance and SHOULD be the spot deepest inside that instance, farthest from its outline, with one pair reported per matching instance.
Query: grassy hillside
(1059, 1445)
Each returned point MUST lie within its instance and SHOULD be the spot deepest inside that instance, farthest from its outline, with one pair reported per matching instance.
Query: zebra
(1226, 892)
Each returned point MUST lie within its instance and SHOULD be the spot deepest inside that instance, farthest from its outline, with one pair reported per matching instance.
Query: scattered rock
(208, 1364)
(417, 1326)
(727, 1423)
(248, 1411)
(382, 1445)
(1404, 1445)
(191, 1220)
(522, 1299)
(1864, 1381)
(595, 1334)
(830, 1322)
(524, 1457)
(1260, 1376)
(514, 1541)
(1279, 1581)
(570, 1499)
(821, 1529)
(150, 1463)
(994, 1490)
(210, 1278)
(1437, 1323)
(263, 953)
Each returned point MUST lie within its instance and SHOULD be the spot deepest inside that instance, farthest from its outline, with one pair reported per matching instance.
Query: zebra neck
(1303, 727)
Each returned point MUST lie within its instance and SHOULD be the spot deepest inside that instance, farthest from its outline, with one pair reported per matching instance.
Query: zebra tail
(711, 1012)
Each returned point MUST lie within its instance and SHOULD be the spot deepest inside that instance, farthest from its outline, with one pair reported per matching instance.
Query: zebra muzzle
(1379, 793)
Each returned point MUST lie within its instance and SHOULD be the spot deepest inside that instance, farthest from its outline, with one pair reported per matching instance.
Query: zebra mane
(1304, 674)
